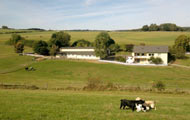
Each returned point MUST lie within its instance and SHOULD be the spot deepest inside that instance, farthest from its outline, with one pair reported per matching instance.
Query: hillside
(61, 82)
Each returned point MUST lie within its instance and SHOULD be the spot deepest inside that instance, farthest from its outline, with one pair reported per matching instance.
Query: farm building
(142, 54)
(78, 53)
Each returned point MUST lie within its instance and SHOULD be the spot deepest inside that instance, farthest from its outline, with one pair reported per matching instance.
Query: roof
(80, 53)
(77, 47)
(150, 49)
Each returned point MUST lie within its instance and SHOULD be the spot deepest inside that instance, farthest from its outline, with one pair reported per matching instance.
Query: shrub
(155, 60)
(160, 86)
(120, 59)
(93, 84)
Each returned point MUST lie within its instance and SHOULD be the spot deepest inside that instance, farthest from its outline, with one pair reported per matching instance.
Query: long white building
(78, 53)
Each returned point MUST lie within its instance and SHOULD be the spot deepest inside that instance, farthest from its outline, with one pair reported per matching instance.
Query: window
(151, 54)
(137, 54)
(142, 54)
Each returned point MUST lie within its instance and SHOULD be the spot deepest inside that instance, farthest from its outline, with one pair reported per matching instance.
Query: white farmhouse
(141, 54)
(79, 53)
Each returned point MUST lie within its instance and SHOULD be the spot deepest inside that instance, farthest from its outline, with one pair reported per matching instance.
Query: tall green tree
(182, 42)
(41, 47)
(154, 27)
(60, 39)
(102, 43)
(19, 47)
(145, 28)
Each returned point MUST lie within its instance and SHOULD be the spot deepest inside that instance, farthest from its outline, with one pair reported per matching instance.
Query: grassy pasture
(64, 73)
(149, 38)
(70, 105)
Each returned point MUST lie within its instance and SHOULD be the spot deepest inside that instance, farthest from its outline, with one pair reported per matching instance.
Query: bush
(93, 84)
(155, 60)
(160, 86)
(120, 59)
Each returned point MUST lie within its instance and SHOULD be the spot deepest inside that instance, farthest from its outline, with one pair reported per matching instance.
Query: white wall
(76, 50)
(91, 57)
(163, 56)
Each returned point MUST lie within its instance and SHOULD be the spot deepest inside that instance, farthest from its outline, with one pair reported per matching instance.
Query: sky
(92, 14)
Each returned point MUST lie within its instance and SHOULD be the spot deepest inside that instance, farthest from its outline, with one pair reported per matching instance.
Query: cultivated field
(53, 104)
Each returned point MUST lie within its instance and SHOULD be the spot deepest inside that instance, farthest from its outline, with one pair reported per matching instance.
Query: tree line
(162, 27)
(104, 45)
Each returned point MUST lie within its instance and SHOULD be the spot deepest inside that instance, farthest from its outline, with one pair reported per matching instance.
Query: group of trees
(162, 27)
(4, 27)
(180, 47)
(104, 44)
(58, 40)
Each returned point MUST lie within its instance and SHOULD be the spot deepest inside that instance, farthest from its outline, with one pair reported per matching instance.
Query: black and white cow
(130, 103)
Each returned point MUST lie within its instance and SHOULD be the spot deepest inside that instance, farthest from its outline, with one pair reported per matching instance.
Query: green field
(54, 74)
(149, 38)
(73, 105)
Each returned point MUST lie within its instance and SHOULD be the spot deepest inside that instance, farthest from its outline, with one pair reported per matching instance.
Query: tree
(19, 47)
(102, 43)
(41, 47)
(145, 28)
(60, 39)
(153, 27)
(182, 42)
(15, 39)
(4, 27)
(53, 50)
(113, 48)
(178, 52)
(82, 43)
(169, 27)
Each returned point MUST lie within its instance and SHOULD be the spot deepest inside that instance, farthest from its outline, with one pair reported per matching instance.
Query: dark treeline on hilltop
(164, 27)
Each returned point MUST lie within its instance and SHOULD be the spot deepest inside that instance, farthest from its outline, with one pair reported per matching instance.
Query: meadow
(77, 105)
(149, 38)
(54, 104)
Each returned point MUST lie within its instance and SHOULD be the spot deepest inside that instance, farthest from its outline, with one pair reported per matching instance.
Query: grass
(64, 73)
(149, 38)
(70, 105)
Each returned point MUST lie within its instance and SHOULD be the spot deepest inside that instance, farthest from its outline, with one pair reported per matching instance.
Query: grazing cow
(150, 104)
(130, 103)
